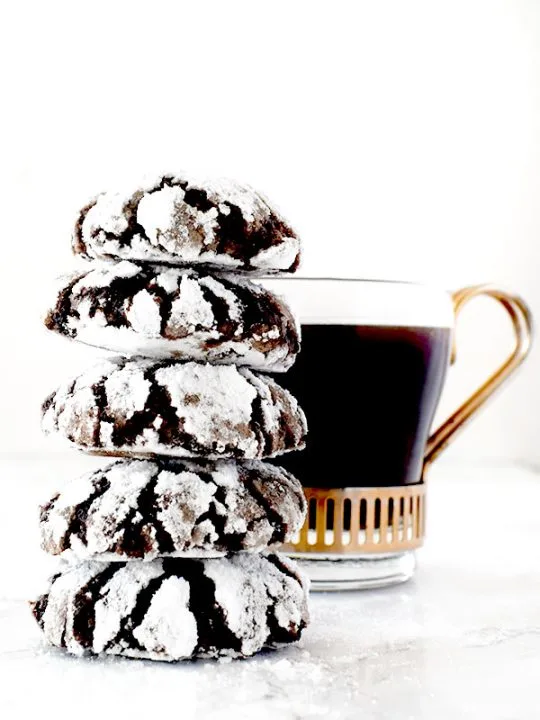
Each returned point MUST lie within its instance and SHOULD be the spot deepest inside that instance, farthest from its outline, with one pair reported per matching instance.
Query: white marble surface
(461, 640)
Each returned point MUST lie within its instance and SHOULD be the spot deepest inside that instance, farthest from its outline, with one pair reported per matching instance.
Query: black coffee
(369, 394)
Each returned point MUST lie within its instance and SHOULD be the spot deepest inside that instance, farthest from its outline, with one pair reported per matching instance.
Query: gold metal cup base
(359, 538)
(360, 521)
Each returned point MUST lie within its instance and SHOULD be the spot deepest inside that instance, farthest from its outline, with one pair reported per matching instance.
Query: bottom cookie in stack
(174, 609)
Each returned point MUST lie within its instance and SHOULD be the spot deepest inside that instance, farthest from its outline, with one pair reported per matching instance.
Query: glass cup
(369, 377)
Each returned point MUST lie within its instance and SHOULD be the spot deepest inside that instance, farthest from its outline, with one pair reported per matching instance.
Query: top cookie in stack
(173, 287)
(177, 221)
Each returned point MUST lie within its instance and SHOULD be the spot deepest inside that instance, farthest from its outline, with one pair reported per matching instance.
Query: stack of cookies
(169, 548)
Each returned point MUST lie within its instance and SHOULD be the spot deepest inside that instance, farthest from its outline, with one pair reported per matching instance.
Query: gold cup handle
(520, 316)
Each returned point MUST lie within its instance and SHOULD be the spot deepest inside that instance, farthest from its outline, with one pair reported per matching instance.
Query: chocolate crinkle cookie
(178, 221)
(144, 509)
(158, 311)
(175, 609)
(148, 407)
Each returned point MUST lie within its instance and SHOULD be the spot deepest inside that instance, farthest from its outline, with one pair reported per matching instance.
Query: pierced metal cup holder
(362, 520)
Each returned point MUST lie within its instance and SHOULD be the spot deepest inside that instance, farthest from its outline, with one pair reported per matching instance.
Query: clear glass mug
(370, 375)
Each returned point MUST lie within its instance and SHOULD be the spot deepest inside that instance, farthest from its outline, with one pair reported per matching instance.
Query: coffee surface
(369, 395)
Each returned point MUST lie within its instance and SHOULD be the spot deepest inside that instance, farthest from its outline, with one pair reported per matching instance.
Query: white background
(402, 139)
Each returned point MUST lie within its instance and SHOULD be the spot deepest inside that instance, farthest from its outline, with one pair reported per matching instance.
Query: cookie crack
(265, 440)
(220, 310)
(57, 318)
(235, 237)
(77, 526)
(213, 633)
(291, 432)
(274, 518)
(39, 606)
(277, 634)
(277, 562)
(78, 244)
(136, 536)
(131, 621)
(84, 603)
(228, 541)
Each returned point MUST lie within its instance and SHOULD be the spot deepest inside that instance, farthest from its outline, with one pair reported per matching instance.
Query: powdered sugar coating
(181, 221)
(118, 599)
(142, 509)
(164, 312)
(58, 614)
(147, 408)
(176, 609)
(161, 628)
